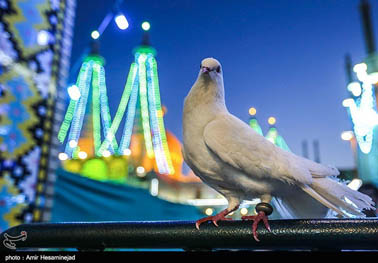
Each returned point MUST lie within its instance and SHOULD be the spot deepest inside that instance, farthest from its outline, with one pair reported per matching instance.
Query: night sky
(283, 57)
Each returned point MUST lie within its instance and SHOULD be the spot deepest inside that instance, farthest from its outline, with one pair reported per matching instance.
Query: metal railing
(301, 234)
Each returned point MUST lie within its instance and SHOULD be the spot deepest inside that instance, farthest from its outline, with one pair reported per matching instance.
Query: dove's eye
(200, 66)
(218, 69)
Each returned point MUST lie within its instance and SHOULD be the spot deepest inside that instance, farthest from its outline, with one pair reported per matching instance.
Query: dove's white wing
(237, 144)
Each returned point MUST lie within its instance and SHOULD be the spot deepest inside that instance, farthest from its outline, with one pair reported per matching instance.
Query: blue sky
(284, 57)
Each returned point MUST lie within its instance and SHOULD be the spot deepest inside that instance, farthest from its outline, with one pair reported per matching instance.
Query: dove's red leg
(263, 210)
(256, 219)
(220, 216)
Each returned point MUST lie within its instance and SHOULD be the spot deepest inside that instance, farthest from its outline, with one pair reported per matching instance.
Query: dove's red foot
(214, 219)
(263, 211)
(256, 219)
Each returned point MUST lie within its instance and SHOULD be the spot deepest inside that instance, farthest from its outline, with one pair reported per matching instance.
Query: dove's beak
(205, 70)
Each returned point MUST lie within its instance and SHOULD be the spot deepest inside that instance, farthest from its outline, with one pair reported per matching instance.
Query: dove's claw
(256, 219)
(214, 219)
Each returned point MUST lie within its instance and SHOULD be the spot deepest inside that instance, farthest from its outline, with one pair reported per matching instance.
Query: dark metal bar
(322, 234)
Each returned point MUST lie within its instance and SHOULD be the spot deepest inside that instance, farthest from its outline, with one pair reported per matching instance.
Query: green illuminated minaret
(142, 94)
(273, 135)
(91, 78)
(253, 123)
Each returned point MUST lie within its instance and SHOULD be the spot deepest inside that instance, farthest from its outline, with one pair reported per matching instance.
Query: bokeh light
(121, 21)
(252, 111)
(272, 120)
(95, 34)
(146, 26)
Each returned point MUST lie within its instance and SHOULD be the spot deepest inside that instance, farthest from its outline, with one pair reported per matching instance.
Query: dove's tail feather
(316, 200)
(339, 195)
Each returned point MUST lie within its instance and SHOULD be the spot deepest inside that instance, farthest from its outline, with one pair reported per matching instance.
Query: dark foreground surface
(309, 234)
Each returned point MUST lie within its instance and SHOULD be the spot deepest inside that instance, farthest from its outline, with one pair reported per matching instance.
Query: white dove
(229, 156)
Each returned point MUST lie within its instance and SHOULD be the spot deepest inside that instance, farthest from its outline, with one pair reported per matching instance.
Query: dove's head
(211, 68)
(209, 83)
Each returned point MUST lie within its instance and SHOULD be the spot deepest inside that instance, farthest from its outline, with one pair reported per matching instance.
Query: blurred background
(91, 99)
